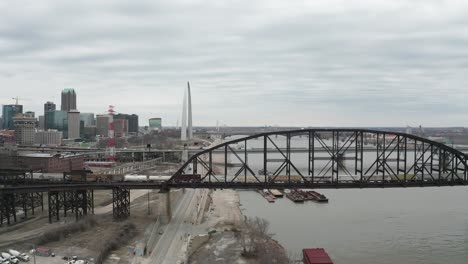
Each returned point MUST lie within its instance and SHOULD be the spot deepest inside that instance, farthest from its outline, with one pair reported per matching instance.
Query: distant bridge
(395, 160)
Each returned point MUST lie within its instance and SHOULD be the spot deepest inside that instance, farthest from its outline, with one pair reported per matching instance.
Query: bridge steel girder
(54, 204)
(400, 159)
(7, 208)
(120, 203)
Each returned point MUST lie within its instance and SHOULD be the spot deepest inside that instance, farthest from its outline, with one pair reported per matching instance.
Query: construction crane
(17, 99)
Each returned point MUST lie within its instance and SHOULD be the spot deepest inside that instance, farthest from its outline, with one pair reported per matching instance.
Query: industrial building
(9, 112)
(68, 100)
(44, 162)
(7, 137)
(49, 138)
(73, 124)
(25, 128)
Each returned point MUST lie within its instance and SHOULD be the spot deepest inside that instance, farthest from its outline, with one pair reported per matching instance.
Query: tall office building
(57, 120)
(49, 106)
(120, 127)
(9, 112)
(186, 131)
(73, 124)
(68, 100)
(132, 121)
(48, 117)
(102, 125)
(87, 118)
(25, 129)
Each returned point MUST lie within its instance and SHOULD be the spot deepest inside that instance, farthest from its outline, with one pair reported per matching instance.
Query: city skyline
(366, 63)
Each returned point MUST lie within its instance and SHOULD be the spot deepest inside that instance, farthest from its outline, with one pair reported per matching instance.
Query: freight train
(136, 178)
(150, 178)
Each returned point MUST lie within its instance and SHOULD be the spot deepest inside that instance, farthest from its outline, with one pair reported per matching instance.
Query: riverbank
(231, 234)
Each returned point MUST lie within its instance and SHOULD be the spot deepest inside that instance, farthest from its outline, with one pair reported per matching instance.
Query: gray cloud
(317, 63)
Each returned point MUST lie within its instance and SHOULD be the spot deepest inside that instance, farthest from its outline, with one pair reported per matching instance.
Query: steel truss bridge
(334, 158)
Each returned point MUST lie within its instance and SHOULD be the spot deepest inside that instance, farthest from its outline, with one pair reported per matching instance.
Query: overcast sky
(290, 63)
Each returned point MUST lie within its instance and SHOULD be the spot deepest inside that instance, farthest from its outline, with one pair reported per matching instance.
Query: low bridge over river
(331, 158)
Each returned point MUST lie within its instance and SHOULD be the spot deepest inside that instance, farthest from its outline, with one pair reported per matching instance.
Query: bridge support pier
(90, 201)
(66, 202)
(53, 200)
(7, 208)
(79, 202)
(120, 203)
(165, 205)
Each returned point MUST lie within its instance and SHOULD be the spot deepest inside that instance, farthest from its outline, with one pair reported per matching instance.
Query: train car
(102, 164)
(152, 178)
(135, 178)
(188, 178)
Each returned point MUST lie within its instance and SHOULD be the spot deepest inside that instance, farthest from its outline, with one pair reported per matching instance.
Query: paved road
(171, 244)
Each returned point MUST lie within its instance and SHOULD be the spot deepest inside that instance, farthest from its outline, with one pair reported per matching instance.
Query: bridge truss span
(321, 158)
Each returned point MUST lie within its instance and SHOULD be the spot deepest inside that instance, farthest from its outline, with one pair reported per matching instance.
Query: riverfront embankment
(234, 238)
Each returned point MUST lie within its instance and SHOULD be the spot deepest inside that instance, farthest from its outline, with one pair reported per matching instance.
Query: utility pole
(148, 202)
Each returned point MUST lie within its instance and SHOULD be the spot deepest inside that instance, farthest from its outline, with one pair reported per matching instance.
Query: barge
(270, 198)
(295, 196)
(276, 193)
(316, 256)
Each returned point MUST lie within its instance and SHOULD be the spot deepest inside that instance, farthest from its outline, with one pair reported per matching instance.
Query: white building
(73, 124)
(25, 128)
(50, 137)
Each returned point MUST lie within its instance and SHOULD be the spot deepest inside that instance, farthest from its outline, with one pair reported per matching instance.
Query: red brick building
(44, 162)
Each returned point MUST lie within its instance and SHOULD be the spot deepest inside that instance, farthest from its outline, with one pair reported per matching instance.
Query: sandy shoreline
(224, 246)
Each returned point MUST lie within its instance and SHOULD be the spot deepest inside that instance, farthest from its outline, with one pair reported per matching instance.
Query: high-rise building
(1, 122)
(25, 128)
(186, 131)
(120, 127)
(87, 118)
(102, 125)
(9, 111)
(41, 123)
(48, 108)
(132, 121)
(57, 120)
(73, 124)
(50, 137)
(68, 100)
(155, 123)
